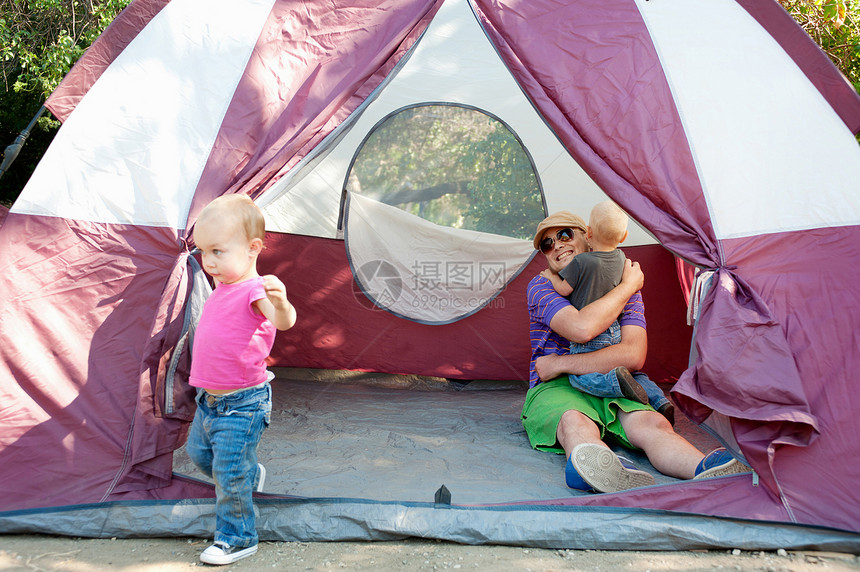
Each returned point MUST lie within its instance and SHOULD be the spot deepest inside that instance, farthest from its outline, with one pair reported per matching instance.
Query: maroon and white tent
(717, 124)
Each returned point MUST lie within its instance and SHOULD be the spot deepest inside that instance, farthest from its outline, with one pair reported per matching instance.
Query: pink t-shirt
(232, 340)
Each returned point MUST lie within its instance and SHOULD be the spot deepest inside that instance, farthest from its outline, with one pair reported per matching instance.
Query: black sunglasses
(563, 235)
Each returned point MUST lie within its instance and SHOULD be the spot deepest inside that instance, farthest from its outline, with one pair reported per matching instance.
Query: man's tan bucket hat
(561, 219)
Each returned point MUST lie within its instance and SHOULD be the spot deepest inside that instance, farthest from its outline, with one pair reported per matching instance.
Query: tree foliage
(453, 166)
(40, 40)
(835, 26)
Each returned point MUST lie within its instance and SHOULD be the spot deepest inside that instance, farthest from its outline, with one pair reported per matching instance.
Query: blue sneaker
(572, 478)
(719, 463)
(595, 468)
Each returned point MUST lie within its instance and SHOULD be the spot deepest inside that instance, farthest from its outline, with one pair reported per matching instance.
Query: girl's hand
(275, 306)
(276, 292)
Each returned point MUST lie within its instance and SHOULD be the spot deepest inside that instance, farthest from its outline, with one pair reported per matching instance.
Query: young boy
(234, 399)
(588, 277)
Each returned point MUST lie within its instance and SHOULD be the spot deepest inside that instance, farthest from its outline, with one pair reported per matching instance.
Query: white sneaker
(222, 553)
(262, 481)
(606, 472)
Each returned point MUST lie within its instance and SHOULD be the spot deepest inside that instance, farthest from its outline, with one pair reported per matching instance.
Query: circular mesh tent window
(440, 206)
(453, 166)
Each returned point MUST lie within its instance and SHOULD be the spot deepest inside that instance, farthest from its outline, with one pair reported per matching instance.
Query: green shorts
(546, 403)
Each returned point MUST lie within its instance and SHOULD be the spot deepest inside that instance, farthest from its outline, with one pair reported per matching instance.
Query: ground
(48, 553)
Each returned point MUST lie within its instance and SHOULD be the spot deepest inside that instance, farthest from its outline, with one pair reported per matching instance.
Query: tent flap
(100, 54)
(745, 367)
(423, 271)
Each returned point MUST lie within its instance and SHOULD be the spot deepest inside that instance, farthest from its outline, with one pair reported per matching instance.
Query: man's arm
(630, 353)
(583, 325)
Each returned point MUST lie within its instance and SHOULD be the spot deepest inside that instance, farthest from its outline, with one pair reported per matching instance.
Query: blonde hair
(608, 222)
(242, 210)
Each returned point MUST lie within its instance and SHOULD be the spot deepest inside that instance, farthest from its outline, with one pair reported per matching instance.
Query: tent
(718, 125)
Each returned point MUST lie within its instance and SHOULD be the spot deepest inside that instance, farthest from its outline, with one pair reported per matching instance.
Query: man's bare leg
(591, 464)
(669, 452)
(576, 428)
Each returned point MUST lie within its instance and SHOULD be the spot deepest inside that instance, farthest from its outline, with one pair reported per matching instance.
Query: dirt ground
(48, 553)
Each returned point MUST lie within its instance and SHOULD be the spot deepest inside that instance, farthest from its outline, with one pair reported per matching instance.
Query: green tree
(835, 26)
(453, 166)
(40, 40)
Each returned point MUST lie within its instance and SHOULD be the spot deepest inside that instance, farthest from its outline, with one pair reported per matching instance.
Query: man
(559, 418)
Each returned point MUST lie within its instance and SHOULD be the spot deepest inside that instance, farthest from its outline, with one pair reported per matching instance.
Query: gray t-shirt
(592, 275)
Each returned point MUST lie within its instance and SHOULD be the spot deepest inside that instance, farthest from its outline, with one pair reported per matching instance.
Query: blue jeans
(606, 384)
(222, 442)
(656, 397)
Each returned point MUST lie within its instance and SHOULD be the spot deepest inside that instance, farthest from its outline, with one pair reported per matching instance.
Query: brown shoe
(630, 388)
(667, 410)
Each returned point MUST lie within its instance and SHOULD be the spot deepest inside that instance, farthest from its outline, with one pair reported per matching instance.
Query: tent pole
(12, 150)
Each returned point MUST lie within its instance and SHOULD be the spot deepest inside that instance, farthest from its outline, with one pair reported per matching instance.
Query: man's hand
(633, 275)
(549, 366)
(630, 353)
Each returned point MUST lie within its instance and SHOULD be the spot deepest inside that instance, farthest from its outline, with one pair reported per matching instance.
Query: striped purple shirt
(544, 303)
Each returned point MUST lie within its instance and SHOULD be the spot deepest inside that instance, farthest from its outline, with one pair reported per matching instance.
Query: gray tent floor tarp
(353, 456)
(401, 438)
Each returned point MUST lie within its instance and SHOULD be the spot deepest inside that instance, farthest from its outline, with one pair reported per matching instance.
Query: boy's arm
(630, 353)
(560, 284)
(275, 307)
(583, 325)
